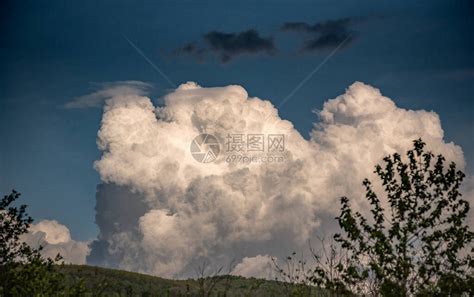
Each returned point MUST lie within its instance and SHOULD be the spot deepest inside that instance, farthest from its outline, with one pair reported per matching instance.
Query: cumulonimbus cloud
(161, 212)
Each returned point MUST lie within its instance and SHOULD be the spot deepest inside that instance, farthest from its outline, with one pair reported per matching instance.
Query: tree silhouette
(416, 241)
(23, 271)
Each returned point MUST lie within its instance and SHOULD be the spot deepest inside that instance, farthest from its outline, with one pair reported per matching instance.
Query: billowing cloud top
(161, 212)
(55, 239)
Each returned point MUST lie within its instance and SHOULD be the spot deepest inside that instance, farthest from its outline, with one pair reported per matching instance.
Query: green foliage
(322, 278)
(416, 241)
(110, 282)
(23, 271)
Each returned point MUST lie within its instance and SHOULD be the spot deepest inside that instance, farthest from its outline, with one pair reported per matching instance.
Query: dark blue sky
(419, 54)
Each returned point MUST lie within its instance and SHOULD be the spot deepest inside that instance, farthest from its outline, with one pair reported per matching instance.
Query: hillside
(111, 282)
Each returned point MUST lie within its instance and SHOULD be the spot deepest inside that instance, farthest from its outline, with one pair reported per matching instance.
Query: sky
(421, 55)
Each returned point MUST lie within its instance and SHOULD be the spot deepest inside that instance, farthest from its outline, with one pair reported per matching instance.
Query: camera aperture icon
(205, 148)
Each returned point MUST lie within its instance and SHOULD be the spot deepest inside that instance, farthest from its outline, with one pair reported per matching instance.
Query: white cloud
(56, 239)
(109, 90)
(170, 211)
(258, 267)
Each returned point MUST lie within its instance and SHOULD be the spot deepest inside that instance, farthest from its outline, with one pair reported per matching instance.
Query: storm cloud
(161, 212)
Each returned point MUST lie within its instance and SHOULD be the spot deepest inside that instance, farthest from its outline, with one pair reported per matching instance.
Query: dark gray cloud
(117, 208)
(191, 49)
(323, 35)
(228, 45)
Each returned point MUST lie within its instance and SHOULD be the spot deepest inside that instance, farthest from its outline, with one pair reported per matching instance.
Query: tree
(321, 275)
(416, 240)
(23, 271)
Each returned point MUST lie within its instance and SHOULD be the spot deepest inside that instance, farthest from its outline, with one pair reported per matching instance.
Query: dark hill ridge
(110, 282)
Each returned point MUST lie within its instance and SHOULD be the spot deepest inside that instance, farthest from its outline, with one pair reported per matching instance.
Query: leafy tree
(321, 276)
(416, 241)
(23, 271)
